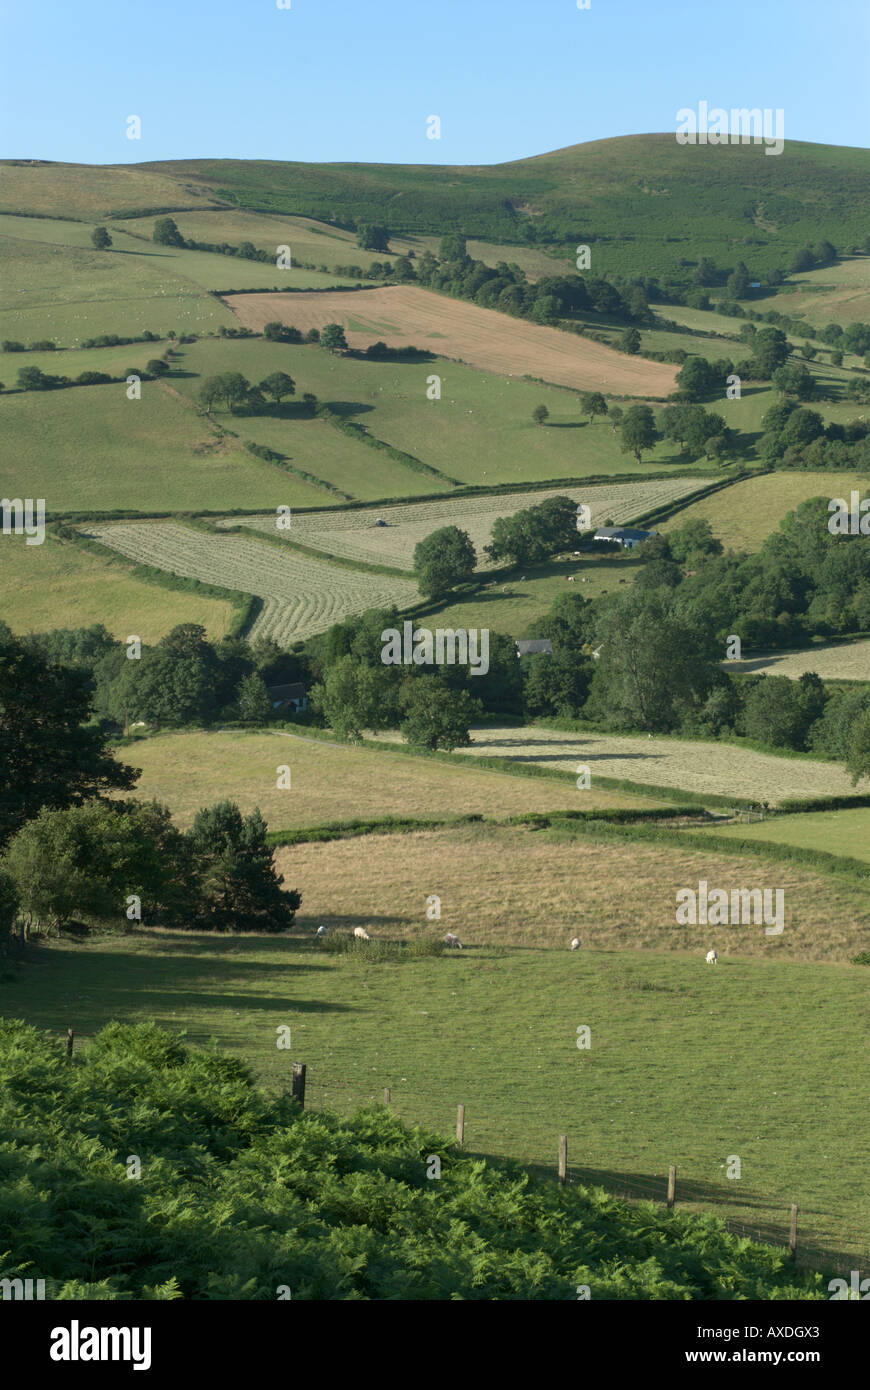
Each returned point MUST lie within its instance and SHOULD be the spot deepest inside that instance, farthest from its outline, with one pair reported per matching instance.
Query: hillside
(728, 202)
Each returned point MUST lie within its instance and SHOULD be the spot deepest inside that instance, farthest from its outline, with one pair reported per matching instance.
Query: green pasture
(687, 1065)
(481, 430)
(57, 585)
(845, 832)
(530, 593)
(89, 448)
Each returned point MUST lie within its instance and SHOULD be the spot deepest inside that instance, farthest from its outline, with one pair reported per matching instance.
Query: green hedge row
(362, 436)
(341, 830)
(821, 860)
(261, 451)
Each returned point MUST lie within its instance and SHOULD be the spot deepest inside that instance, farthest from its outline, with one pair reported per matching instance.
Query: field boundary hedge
(820, 860)
(362, 436)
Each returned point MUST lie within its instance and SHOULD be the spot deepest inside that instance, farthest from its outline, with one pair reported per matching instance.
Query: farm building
(289, 697)
(543, 647)
(626, 536)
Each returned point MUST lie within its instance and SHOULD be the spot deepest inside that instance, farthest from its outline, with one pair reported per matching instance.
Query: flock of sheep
(452, 940)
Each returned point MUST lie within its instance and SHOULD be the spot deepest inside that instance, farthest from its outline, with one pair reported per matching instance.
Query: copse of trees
(166, 232)
(534, 534)
(372, 236)
(444, 559)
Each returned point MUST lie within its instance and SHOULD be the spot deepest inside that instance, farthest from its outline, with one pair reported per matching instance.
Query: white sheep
(361, 933)
(321, 931)
(452, 940)
(712, 958)
(575, 944)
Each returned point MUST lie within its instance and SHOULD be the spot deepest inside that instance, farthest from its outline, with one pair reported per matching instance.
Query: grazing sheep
(452, 940)
(712, 958)
(570, 579)
(361, 933)
(575, 944)
(321, 931)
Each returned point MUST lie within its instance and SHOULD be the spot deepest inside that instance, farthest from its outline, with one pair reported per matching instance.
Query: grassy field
(843, 661)
(332, 782)
(90, 447)
(406, 315)
(54, 585)
(354, 535)
(835, 294)
(836, 832)
(389, 399)
(687, 1065)
(97, 291)
(301, 595)
(517, 606)
(721, 769)
(69, 293)
(744, 515)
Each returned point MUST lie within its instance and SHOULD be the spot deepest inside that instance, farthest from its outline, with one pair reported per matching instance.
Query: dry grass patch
(744, 515)
(336, 782)
(718, 769)
(535, 888)
(405, 315)
(841, 661)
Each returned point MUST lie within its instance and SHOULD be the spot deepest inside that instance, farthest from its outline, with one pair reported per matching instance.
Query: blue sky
(349, 80)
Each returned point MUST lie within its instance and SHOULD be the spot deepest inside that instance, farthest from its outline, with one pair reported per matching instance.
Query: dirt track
(404, 315)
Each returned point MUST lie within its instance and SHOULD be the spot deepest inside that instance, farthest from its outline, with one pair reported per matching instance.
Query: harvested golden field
(744, 515)
(406, 316)
(522, 888)
(332, 782)
(840, 661)
(355, 535)
(720, 769)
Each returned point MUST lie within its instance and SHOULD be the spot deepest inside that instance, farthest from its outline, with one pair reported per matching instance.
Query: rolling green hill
(645, 203)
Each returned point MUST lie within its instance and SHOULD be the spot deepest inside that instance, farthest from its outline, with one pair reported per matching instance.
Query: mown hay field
(845, 832)
(744, 515)
(405, 315)
(57, 585)
(389, 400)
(334, 782)
(90, 448)
(520, 887)
(844, 661)
(355, 535)
(687, 1064)
(719, 769)
(301, 595)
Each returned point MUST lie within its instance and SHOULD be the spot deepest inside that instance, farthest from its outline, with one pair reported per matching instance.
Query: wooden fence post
(672, 1185)
(460, 1124)
(792, 1233)
(386, 1095)
(563, 1158)
(298, 1091)
(70, 1036)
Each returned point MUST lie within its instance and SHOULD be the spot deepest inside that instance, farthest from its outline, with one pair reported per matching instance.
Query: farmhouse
(290, 696)
(626, 536)
(543, 646)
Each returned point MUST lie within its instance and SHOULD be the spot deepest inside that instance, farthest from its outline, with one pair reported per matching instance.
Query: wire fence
(818, 1243)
